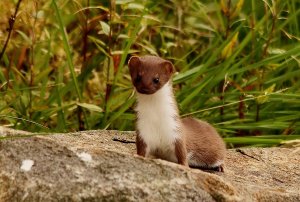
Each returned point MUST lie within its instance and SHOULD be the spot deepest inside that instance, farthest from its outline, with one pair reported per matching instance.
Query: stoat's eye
(156, 80)
(138, 78)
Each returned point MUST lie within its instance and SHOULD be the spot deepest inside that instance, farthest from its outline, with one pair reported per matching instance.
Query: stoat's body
(160, 131)
(158, 123)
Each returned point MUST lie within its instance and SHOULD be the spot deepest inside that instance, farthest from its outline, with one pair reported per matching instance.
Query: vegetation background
(238, 63)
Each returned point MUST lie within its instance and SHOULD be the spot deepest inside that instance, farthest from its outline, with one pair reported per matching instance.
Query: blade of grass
(252, 141)
(231, 103)
(68, 54)
(26, 120)
(67, 49)
(117, 114)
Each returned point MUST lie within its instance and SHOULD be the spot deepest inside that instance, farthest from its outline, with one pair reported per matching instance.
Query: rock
(6, 132)
(102, 166)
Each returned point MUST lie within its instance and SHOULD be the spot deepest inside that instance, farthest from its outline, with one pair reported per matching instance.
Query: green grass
(65, 68)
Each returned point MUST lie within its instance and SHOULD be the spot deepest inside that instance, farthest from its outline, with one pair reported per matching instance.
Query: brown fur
(149, 74)
(144, 70)
(140, 145)
(204, 141)
(181, 152)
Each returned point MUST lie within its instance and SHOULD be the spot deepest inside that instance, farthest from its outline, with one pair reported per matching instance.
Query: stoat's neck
(158, 121)
(161, 101)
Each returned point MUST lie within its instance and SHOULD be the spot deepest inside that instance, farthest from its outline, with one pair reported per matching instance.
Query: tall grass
(237, 64)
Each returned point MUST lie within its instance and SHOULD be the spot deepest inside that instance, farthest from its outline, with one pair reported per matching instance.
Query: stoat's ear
(133, 62)
(168, 66)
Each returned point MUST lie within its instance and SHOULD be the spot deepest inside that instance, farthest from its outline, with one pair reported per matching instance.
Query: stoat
(161, 133)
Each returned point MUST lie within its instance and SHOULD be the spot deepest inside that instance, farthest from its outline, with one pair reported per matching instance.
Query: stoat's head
(149, 73)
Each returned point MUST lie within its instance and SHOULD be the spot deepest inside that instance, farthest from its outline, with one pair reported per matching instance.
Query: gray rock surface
(102, 166)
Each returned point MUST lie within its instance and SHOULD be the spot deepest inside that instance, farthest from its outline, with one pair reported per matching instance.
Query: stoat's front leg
(140, 145)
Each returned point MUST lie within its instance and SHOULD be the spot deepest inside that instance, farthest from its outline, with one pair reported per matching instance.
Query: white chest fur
(157, 124)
